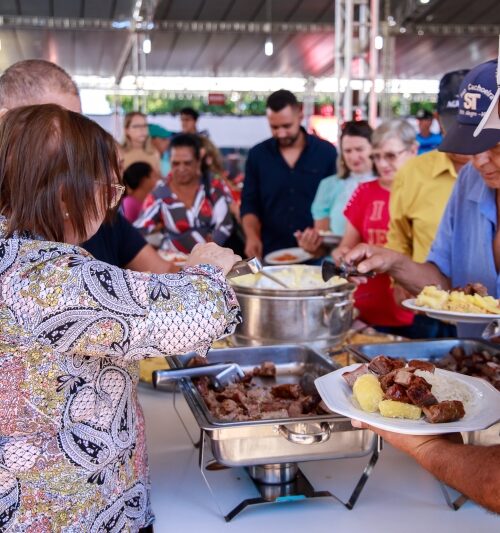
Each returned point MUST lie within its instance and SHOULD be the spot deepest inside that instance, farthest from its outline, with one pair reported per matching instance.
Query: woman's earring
(66, 215)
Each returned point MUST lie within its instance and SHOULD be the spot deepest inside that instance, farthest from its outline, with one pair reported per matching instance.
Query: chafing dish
(432, 350)
(283, 440)
(320, 316)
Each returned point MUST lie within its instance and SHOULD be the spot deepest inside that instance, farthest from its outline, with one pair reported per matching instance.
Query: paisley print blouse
(72, 330)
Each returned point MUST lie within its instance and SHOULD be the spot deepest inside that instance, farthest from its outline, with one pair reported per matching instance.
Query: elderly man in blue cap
(467, 244)
(466, 249)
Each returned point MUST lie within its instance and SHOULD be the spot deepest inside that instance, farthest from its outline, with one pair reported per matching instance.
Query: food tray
(276, 440)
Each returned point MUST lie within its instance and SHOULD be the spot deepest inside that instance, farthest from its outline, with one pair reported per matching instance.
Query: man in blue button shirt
(467, 245)
(281, 178)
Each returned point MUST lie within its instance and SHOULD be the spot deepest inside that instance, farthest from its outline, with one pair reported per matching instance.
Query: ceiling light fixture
(379, 42)
(269, 47)
(424, 1)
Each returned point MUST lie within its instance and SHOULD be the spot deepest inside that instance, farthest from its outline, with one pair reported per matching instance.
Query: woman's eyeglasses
(390, 157)
(117, 191)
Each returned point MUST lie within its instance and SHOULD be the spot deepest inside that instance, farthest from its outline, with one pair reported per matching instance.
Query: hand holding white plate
(482, 412)
(450, 316)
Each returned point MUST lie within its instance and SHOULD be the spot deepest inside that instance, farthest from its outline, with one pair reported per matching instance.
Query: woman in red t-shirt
(367, 213)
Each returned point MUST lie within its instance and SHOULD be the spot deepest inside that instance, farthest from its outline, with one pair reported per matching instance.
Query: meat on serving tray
(246, 400)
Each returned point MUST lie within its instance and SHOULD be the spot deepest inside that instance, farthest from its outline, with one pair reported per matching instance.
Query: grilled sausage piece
(447, 411)
(422, 365)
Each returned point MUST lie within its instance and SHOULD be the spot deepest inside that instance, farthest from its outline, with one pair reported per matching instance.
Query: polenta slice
(393, 409)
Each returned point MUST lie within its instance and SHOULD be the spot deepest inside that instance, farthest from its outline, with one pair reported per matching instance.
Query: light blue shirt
(332, 196)
(463, 247)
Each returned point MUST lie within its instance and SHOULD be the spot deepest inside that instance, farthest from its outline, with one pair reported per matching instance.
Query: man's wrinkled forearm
(472, 470)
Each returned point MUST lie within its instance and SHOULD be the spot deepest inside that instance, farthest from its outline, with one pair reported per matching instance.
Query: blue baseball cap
(447, 100)
(476, 94)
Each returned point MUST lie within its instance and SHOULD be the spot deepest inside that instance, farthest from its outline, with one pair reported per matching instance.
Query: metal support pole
(135, 67)
(339, 57)
(348, 41)
(308, 108)
(373, 62)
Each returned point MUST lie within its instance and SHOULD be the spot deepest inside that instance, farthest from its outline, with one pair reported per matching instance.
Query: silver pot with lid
(310, 310)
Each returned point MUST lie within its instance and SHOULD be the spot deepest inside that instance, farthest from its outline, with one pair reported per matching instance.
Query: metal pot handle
(306, 438)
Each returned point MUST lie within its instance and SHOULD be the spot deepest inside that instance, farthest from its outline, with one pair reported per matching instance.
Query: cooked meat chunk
(266, 370)
(420, 381)
(382, 365)
(275, 405)
(447, 411)
(403, 376)
(398, 393)
(197, 360)
(228, 406)
(387, 380)
(473, 288)
(458, 354)
(422, 365)
(310, 403)
(420, 395)
(351, 377)
(295, 409)
(287, 391)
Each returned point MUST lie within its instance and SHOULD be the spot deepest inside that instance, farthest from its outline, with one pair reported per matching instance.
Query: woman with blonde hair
(73, 330)
(137, 145)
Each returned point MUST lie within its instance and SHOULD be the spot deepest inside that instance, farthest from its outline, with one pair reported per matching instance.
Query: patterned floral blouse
(179, 228)
(72, 330)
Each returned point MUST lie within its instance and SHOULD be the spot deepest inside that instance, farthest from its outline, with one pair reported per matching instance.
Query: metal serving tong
(492, 331)
(221, 374)
(252, 266)
(344, 270)
(242, 268)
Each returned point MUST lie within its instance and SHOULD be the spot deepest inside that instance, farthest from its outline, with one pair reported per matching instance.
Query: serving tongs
(343, 270)
(252, 266)
(220, 374)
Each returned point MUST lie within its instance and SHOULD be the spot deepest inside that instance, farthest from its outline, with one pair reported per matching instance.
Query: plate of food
(413, 398)
(468, 304)
(287, 256)
(178, 258)
(329, 238)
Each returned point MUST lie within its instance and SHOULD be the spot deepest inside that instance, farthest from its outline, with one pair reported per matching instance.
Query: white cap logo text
(470, 101)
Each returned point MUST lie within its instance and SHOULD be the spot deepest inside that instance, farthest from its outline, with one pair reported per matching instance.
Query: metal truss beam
(60, 23)
(31, 22)
(443, 30)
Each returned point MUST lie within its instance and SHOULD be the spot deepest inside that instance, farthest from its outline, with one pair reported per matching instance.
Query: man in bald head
(36, 81)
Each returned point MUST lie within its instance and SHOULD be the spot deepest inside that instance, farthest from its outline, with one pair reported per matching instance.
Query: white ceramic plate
(450, 316)
(300, 256)
(329, 238)
(178, 258)
(484, 412)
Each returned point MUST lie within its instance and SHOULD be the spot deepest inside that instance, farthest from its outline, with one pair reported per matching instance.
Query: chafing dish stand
(295, 487)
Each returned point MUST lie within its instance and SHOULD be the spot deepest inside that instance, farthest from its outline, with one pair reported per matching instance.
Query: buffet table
(399, 495)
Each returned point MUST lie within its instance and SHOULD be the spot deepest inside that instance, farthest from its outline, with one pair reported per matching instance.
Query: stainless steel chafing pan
(280, 440)
(432, 350)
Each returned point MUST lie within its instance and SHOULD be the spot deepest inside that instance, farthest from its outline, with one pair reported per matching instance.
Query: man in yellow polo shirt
(419, 196)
